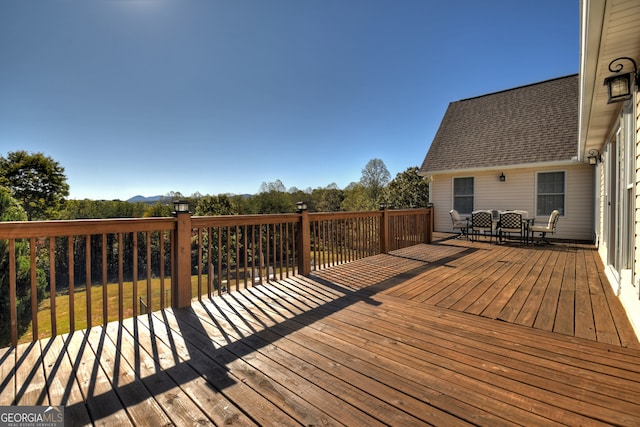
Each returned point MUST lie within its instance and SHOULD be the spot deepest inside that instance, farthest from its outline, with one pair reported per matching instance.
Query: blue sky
(215, 96)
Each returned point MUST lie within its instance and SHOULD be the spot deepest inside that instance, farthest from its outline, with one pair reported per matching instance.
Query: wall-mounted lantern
(594, 157)
(620, 84)
(503, 178)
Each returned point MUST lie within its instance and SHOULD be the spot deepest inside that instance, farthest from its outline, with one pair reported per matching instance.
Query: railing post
(384, 230)
(304, 243)
(181, 278)
(430, 219)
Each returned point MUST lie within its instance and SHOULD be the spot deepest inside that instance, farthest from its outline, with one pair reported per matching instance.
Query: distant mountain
(150, 200)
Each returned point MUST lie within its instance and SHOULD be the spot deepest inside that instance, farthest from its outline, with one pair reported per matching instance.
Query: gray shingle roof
(529, 124)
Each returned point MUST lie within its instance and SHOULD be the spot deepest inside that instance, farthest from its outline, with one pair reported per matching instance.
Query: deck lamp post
(619, 84)
(180, 206)
(301, 206)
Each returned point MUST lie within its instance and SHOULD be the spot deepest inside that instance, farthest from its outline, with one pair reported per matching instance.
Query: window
(463, 195)
(550, 193)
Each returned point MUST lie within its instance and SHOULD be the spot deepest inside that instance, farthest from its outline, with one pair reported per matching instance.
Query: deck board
(62, 387)
(7, 376)
(30, 379)
(454, 333)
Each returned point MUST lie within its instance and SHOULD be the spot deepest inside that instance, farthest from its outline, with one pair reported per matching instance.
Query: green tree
(357, 198)
(328, 199)
(158, 209)
(38, 182)
(100, 209)
(375, 176)
(215, 205)
(407, 190)
(272, 199)
(10, 210)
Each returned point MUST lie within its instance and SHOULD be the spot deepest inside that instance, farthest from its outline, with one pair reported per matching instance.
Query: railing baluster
(268, 250)
(149, 294)
(286, 247)
(134, 292)
(260, 254)
(52, 285)
(13, 308)
(253, 254)
(163, 302)
(120, 277)
(228, 229)
(199, 263)
(105, 293)
(34, 289)
(72, 297)
(219, 276)
(209, 261)
(87, 270)
(243, 240)
(281, 247)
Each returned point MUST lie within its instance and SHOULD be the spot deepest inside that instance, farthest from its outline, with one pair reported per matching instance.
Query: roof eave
(605, 34)
(557, 163)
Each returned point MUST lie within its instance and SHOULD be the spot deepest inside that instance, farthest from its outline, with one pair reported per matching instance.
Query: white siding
(636, 257)
(519, 192)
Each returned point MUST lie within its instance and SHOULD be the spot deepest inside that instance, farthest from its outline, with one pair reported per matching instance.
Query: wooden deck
(454, 333)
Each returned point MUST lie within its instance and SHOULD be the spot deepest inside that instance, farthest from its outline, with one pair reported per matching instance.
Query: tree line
(33, 186)
(39, 187)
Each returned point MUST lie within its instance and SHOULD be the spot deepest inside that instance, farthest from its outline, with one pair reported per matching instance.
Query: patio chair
(511, 223)
(482, 222)
(544, 229)
(459, 223)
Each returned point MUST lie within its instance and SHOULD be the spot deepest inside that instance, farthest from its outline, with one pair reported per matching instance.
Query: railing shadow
(202, 341)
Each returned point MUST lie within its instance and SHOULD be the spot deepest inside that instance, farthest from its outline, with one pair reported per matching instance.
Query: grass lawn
(63, 321)
(97, 317)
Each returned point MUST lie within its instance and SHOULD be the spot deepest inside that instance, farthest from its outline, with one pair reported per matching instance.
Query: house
(567, 129)
(609, 133)
(514, 149)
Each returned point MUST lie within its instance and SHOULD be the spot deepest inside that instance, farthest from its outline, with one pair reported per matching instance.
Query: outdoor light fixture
(502, 177)
(594, 157)
(180, 206)
(383, 206)
(619, 85)
(301, 206)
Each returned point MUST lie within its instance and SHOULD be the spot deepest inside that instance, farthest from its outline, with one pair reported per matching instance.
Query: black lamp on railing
(594, 157)
(383, 206)
(301, 206)
(180, 206)
(620, 84)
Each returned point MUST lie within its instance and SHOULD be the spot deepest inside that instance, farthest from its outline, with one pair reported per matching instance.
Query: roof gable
(529, 124)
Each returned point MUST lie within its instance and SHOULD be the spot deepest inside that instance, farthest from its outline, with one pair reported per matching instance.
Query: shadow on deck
(454, 333)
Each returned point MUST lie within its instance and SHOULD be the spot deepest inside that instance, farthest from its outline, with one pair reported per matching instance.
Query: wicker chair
(511, 223)
(544, 229)
(459, 223)
(481, 222)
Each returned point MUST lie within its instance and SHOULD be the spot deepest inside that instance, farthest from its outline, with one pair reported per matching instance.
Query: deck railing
(61, 276)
